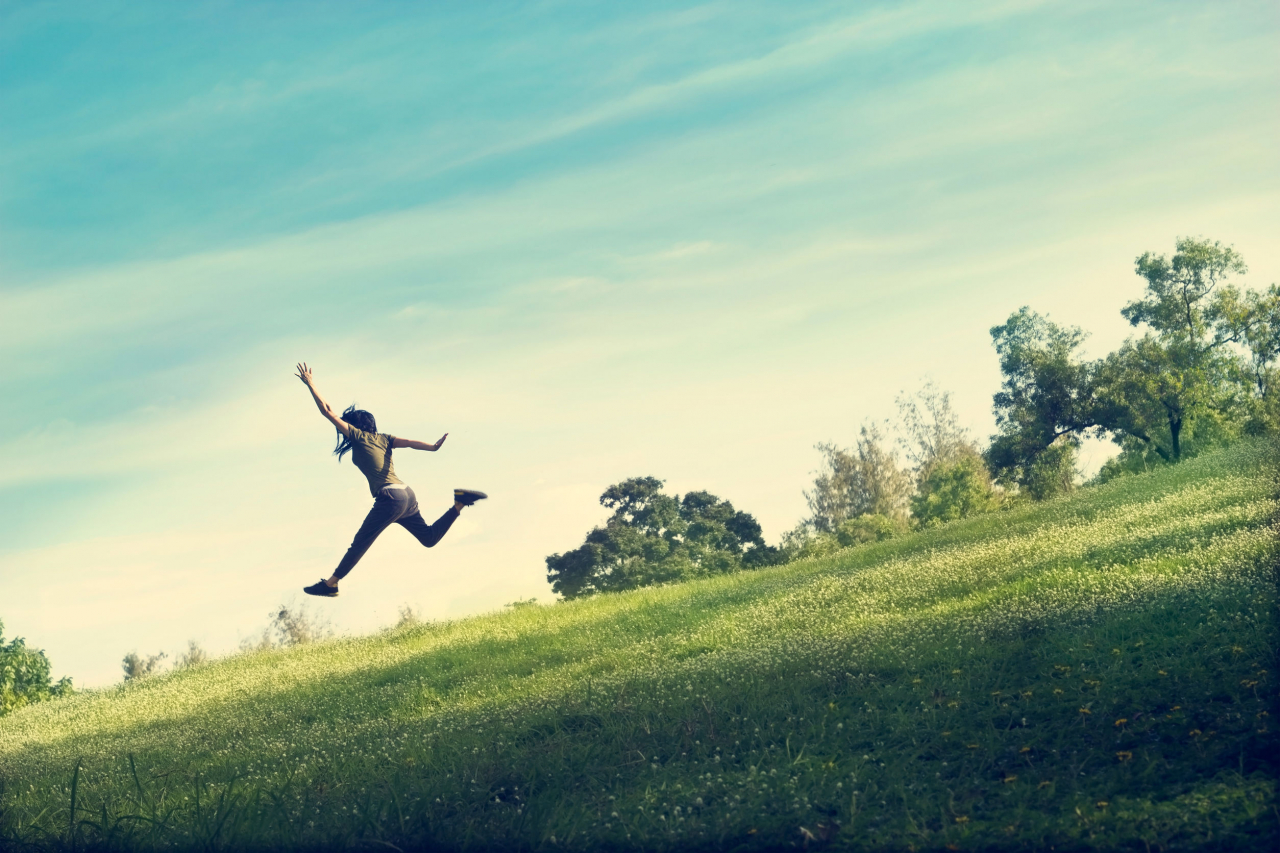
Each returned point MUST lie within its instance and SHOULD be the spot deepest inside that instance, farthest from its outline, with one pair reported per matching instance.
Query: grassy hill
(1096, 672)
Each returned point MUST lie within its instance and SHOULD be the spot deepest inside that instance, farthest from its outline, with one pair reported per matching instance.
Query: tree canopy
(654, 538)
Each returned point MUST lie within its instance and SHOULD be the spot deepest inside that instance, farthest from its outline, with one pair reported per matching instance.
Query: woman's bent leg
(383, 514)
(429, 534)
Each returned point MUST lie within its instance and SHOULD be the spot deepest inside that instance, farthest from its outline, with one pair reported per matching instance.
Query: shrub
(193, 656)
(137, 667)
(24, 676)
(872, 527)
(954, 491)
(289, 626)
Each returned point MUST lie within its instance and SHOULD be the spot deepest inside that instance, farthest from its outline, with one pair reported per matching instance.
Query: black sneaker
(321, 588)
(467, 497)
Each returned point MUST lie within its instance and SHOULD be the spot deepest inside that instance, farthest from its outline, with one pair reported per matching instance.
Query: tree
(1154, 388)
(24, 676)
(952, 480)
(931, 433)
(654, 538)
(866, 480)
(1047, 397)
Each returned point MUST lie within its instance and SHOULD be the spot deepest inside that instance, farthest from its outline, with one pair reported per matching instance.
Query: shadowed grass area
(1091, 673)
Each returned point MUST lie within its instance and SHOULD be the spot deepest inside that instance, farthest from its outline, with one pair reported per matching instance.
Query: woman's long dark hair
(358, 418)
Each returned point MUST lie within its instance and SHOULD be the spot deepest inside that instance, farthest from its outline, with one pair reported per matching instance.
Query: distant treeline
(1202, 373)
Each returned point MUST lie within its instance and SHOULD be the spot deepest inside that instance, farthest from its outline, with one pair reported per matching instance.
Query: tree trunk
(1175, 428)
(1160, 451)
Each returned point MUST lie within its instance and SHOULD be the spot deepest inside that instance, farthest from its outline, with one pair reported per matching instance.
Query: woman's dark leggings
(394, 506)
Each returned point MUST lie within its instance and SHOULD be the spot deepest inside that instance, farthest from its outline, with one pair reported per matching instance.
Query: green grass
(1093, 673)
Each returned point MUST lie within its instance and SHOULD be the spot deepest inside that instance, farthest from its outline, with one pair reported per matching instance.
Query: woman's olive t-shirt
(371, 453)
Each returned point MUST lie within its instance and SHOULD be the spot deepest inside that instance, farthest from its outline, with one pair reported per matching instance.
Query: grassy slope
(1088, 673)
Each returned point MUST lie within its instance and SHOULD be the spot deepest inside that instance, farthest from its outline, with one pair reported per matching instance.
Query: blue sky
(590, 241)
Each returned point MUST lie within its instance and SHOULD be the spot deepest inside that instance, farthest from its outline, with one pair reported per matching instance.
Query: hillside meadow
(1096, 672)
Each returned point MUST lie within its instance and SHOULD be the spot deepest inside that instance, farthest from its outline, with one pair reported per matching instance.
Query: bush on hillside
(803, 542)
(954, 490)
(136, 667)
(408, 616)
(872, 527)
(193, 656)
(654, 538)
(288, 627)
(24, 676)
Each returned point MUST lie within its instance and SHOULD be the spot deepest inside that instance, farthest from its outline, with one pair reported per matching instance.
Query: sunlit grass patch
(1093, 672)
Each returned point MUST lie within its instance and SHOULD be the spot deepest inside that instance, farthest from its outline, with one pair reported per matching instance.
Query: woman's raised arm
(304, 373)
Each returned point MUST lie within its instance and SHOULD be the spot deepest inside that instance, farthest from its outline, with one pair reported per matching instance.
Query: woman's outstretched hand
(304, 373)
(441, 441)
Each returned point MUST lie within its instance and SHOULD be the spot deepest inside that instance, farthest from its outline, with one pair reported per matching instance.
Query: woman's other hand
(304, 373)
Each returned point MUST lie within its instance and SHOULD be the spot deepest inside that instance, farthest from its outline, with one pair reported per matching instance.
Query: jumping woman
(393, 501)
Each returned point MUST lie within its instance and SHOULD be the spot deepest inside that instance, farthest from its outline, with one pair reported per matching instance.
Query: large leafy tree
(1153, 389)
(24, 675)
(654, 538)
